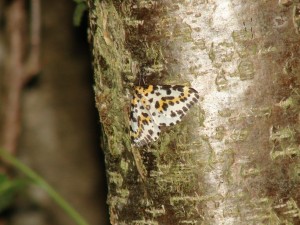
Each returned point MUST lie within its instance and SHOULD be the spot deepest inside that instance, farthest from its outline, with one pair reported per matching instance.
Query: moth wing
(143, 128)
(169, 103)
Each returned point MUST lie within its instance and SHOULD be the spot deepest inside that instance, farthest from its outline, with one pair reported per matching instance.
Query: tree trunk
(235, 158)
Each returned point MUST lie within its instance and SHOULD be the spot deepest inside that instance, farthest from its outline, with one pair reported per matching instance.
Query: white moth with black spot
(156, 106)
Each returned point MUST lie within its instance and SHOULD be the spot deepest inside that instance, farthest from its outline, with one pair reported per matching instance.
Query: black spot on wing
(192, 90)
(155, 87)
(165, 98)
(145, 114)
(183, 99)
(132, 139)
(178, 88)
(132, 117)
(165, 106)
(139, 96)
(157, 105)
(173, 114)
(145, 122)
(180, 111)
(167, 89)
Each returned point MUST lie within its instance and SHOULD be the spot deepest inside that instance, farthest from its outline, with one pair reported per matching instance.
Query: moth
(154, 106)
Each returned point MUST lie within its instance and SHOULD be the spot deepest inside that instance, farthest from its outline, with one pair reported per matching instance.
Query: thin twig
(14, 73)
(18, 73)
